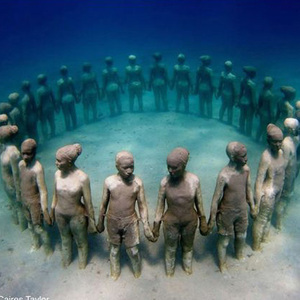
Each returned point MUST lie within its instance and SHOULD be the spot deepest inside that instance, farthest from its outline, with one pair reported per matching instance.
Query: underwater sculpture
(204, 86)
(121, 192)
(227, 92)
(284, 106)
(112, 87)
(264, 108)
(183, 83)
(158, 81)
(34, 196)
(66, 98)
(231, 198)
(182, 192)
(3, 119)
(72, 205)
(268, 185)
(90, 92)
(289, 148)
(9, 159)
(29, 111)
(247, 100)
(297, 110)
(134, 78)
(46, 106)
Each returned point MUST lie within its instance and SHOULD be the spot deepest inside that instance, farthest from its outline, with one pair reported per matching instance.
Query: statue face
(176, 169)
(241, 158)
(275, 144)
(28, 155)
(125, 167)
(62, 164)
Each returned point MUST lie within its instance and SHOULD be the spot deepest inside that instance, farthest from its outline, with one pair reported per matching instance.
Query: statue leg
(222, 245)
(209, 105)
(222, 110)
(40, 231)
(73, 114)
(44, 127)
(111, 104)
(186, 100)
(118, 102)
(201, 105)
(86, 111)
(66, 113)
(230, 113)
(156, 93)
(35, 240)
(239, 245)
(114, 257)
(140, 99)
(93, 104)
(135, 259)
(78, 227)
(171, 241)
(249, 116)
(20, 215)
(178, 98)
(243, 111)
(164, 98)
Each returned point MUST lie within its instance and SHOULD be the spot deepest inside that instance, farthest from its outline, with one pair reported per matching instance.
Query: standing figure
(46, 106)
(159, 82)
(72, 205)
(121, 193)
(231, 198)
(29, 111)
(284, 107)
(268, 185)
(34, 195)
(9, 159)
(264, 108)
(247, 100)
(136, 82)
(66, 97)
(90, 91)
(227, 92)
(204, 86)
(183, 83)
(182, 192)
(112, 87)
(289, 148)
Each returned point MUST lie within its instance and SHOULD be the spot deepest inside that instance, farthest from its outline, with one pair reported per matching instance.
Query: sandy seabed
(273, 273)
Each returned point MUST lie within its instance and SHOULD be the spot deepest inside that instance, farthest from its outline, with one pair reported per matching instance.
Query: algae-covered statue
(289, 148)
(181, 191)
(204, 86)
(9, 159)
(34, 195)
(121, 193)
(268, 185)
(231, 198)
(46, 106)
(227, 92)
(72, 205)
(264, 108)
(66, 98)
(159, 82)
(134, 78)
(183, 83)
(112, 87)
(285, 108)
(247, 100)
(90, 92)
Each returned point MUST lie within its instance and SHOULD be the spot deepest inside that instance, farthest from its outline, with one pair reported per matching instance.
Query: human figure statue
(3, 119)
(15, 117)
(289, 148)
(182, 192)
(9, 159)
(204, 87)
(46, 106)
(66, 97)
(34, 196)
(159, 81)
(72, 205)
(265, 108)
(29, 111)
(112, 87)
(5, 108)
(227, 92)
(90, 92)
(284, 107)
(183, 83)
(231, 198)
(268, 185)
(134, 78)
(121, 193)
(247, 100)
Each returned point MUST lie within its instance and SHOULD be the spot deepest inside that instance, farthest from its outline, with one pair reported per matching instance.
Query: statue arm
(103, 208)
(160, 209)
(200, 210)
(260, 178)
(54, 201)
(14, 162)
(249, 196)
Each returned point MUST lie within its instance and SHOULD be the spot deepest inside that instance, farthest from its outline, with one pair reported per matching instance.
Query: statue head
(177, 161)
(125, 164)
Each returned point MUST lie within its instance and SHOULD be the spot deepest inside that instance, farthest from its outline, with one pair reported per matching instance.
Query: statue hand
(47, 217)
(52, 216)
(155, 230)
(92, 227)
(100, 227)
(203, 226)
(148, 233)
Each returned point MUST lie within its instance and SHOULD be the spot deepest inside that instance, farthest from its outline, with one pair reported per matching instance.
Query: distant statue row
(179, 207)
(25, 113)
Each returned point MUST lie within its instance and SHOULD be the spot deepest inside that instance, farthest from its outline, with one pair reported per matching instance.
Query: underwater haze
(39, 36)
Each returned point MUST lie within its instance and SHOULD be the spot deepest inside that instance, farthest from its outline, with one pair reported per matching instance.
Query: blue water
(40, 35)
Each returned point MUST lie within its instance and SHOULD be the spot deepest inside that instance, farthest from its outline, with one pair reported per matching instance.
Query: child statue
(182, 192)
(232, 195)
